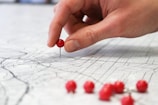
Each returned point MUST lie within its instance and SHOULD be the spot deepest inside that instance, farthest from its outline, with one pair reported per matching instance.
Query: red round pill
(60, 43)
(142, 86)
(71, 86)
(89, 86)
(105, 93)
(119, 87)
(127, 100)
(110, 86)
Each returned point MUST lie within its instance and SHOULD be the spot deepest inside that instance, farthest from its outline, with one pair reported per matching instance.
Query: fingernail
(72, 45)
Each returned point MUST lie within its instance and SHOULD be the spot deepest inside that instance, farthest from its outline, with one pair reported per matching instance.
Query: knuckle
(72, 5)
(91, 36)
(69, 5)
(119, 28)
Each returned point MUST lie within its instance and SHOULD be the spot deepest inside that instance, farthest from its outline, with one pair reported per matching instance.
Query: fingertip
(72, 45)
(80, 39)
(49, 44)
(54, 34)
(52, 38)
(50, 41)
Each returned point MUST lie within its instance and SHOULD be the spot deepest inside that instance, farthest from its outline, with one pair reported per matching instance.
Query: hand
(105, 19)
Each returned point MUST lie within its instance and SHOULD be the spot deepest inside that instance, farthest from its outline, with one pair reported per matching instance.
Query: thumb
(89, 35)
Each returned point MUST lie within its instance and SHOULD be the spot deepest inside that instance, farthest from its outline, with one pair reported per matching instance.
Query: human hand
(105, 19)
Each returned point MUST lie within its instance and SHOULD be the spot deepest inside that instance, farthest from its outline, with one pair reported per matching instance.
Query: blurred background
(30, 1)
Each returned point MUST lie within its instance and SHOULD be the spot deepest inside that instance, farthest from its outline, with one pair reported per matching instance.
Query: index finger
(63, 10)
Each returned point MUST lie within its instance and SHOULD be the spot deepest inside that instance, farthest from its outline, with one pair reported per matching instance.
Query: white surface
(7, 0)
(33, 74)
(32, 1)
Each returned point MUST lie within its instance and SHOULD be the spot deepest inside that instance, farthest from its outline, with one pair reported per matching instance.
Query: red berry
(105, 93)
(89, 86)
(127, 100)
(71, 86)
(119, 87)
(142, 86)
(110, 86)
(60, 43)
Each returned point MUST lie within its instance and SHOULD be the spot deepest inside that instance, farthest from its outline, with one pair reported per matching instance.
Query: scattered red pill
(71, 86)
(89, 86)
(142, 86)
(110, 86)
(105, 94)
(119, 87)
(60, 43)
(127, 100)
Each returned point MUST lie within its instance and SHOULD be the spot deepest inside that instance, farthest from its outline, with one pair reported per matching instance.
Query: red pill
(105, 94)
(60, 43)
(110, 86)
(127, 100)
(89, 86)
(119, 87)
(142, 86)
(71, 86)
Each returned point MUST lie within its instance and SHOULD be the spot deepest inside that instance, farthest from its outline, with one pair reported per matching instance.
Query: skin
(104, 19)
